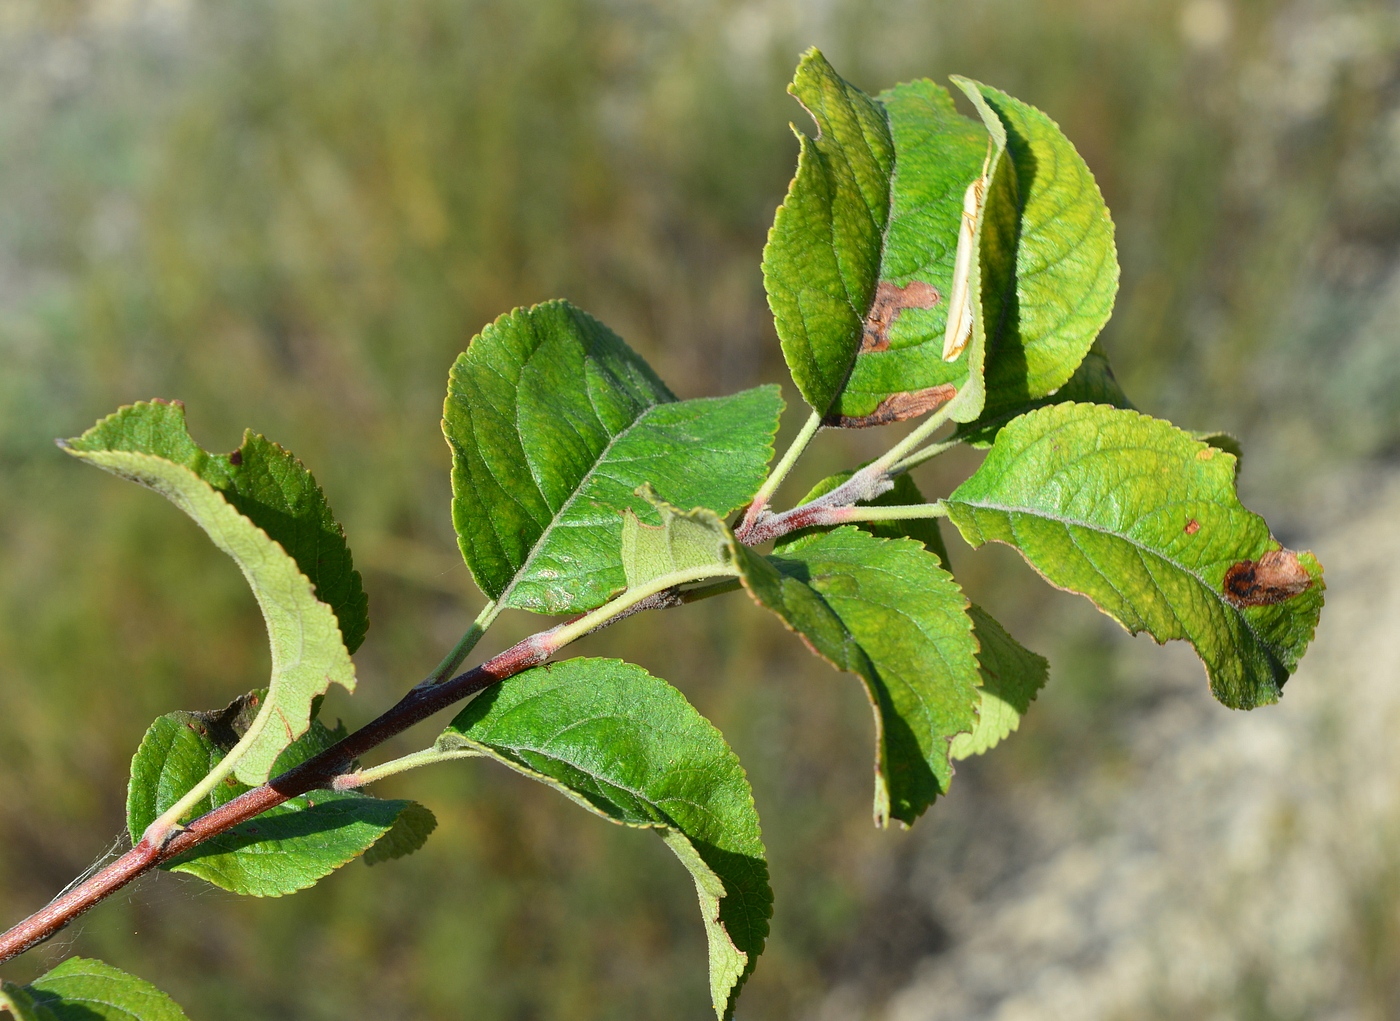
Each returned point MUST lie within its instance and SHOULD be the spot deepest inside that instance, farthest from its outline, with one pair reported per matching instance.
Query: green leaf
(899, 370)
(1220, 441)
(885, 610)
(1093, 382)
(409, 833)
(263, 482)
(148, 444)
(683, 540)
(16, 999)
(629, 747)
(81, 989)
(1066, 266)
(553, 423)
(1144, 520)
(1011, 676)
(287, 848)
(904, 493)
(822, 260)
(859, 262)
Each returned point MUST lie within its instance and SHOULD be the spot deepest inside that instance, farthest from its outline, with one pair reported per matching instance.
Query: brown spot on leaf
(890, 300)
(236, 458)
(1192, 527)
(898, 407)
(1205, 453)
(1274, 577)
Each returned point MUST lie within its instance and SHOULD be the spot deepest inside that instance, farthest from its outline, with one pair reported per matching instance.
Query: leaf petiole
(784, 466)
(926, 454)
(897, 513)
(465, 644)
(425, 757)
(888, 461)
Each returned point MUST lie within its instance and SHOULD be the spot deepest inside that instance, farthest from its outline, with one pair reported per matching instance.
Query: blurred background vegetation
(292, 216)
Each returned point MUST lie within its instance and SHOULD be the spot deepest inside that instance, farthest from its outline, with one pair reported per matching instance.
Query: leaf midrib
(504, 598)
(1141, 549)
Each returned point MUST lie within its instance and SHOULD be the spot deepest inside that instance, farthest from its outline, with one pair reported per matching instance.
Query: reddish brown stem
(313, 774)
(319, 772)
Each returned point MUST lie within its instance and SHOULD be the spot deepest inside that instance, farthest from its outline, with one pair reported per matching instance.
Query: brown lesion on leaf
(1192, 527)
(890, 300)
(236, 457)
(1274, 577)
(897, 407)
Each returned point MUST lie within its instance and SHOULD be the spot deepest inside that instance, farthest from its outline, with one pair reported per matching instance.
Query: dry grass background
(292, 216)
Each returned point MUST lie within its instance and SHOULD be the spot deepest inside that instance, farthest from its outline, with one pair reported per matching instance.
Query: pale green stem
(886, 461)
(468, 641)
(920, 456)
(552, 641)
(169, 821)
(906, 513)
(426, 757)
(780, 473)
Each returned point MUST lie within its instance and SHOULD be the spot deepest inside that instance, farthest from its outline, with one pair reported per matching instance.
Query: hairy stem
(905, 513)
(866, 484)
(920, 456)
(780, 472)
(426, 757)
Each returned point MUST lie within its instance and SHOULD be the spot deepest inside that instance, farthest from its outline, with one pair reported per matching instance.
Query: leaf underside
(148, 444)
(287, 848)
(1011, 677)
(1144, 520)
(629, 747)
(553, 423)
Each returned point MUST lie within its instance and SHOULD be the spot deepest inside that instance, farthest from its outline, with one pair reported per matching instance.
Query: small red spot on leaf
(1192, 527)
(890, 300)
(1274, 577)
(236, 458)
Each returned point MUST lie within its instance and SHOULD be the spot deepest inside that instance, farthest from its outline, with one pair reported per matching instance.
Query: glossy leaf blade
(899, 370)
(1144, 520)
(1011, 674)
(1011, 677)
(287, 848)
(885, 610)
(553, 423)
(81, 989)
(1066, 265)
(147, 444)
(822, 260)
(859, 264)
(629, 747)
